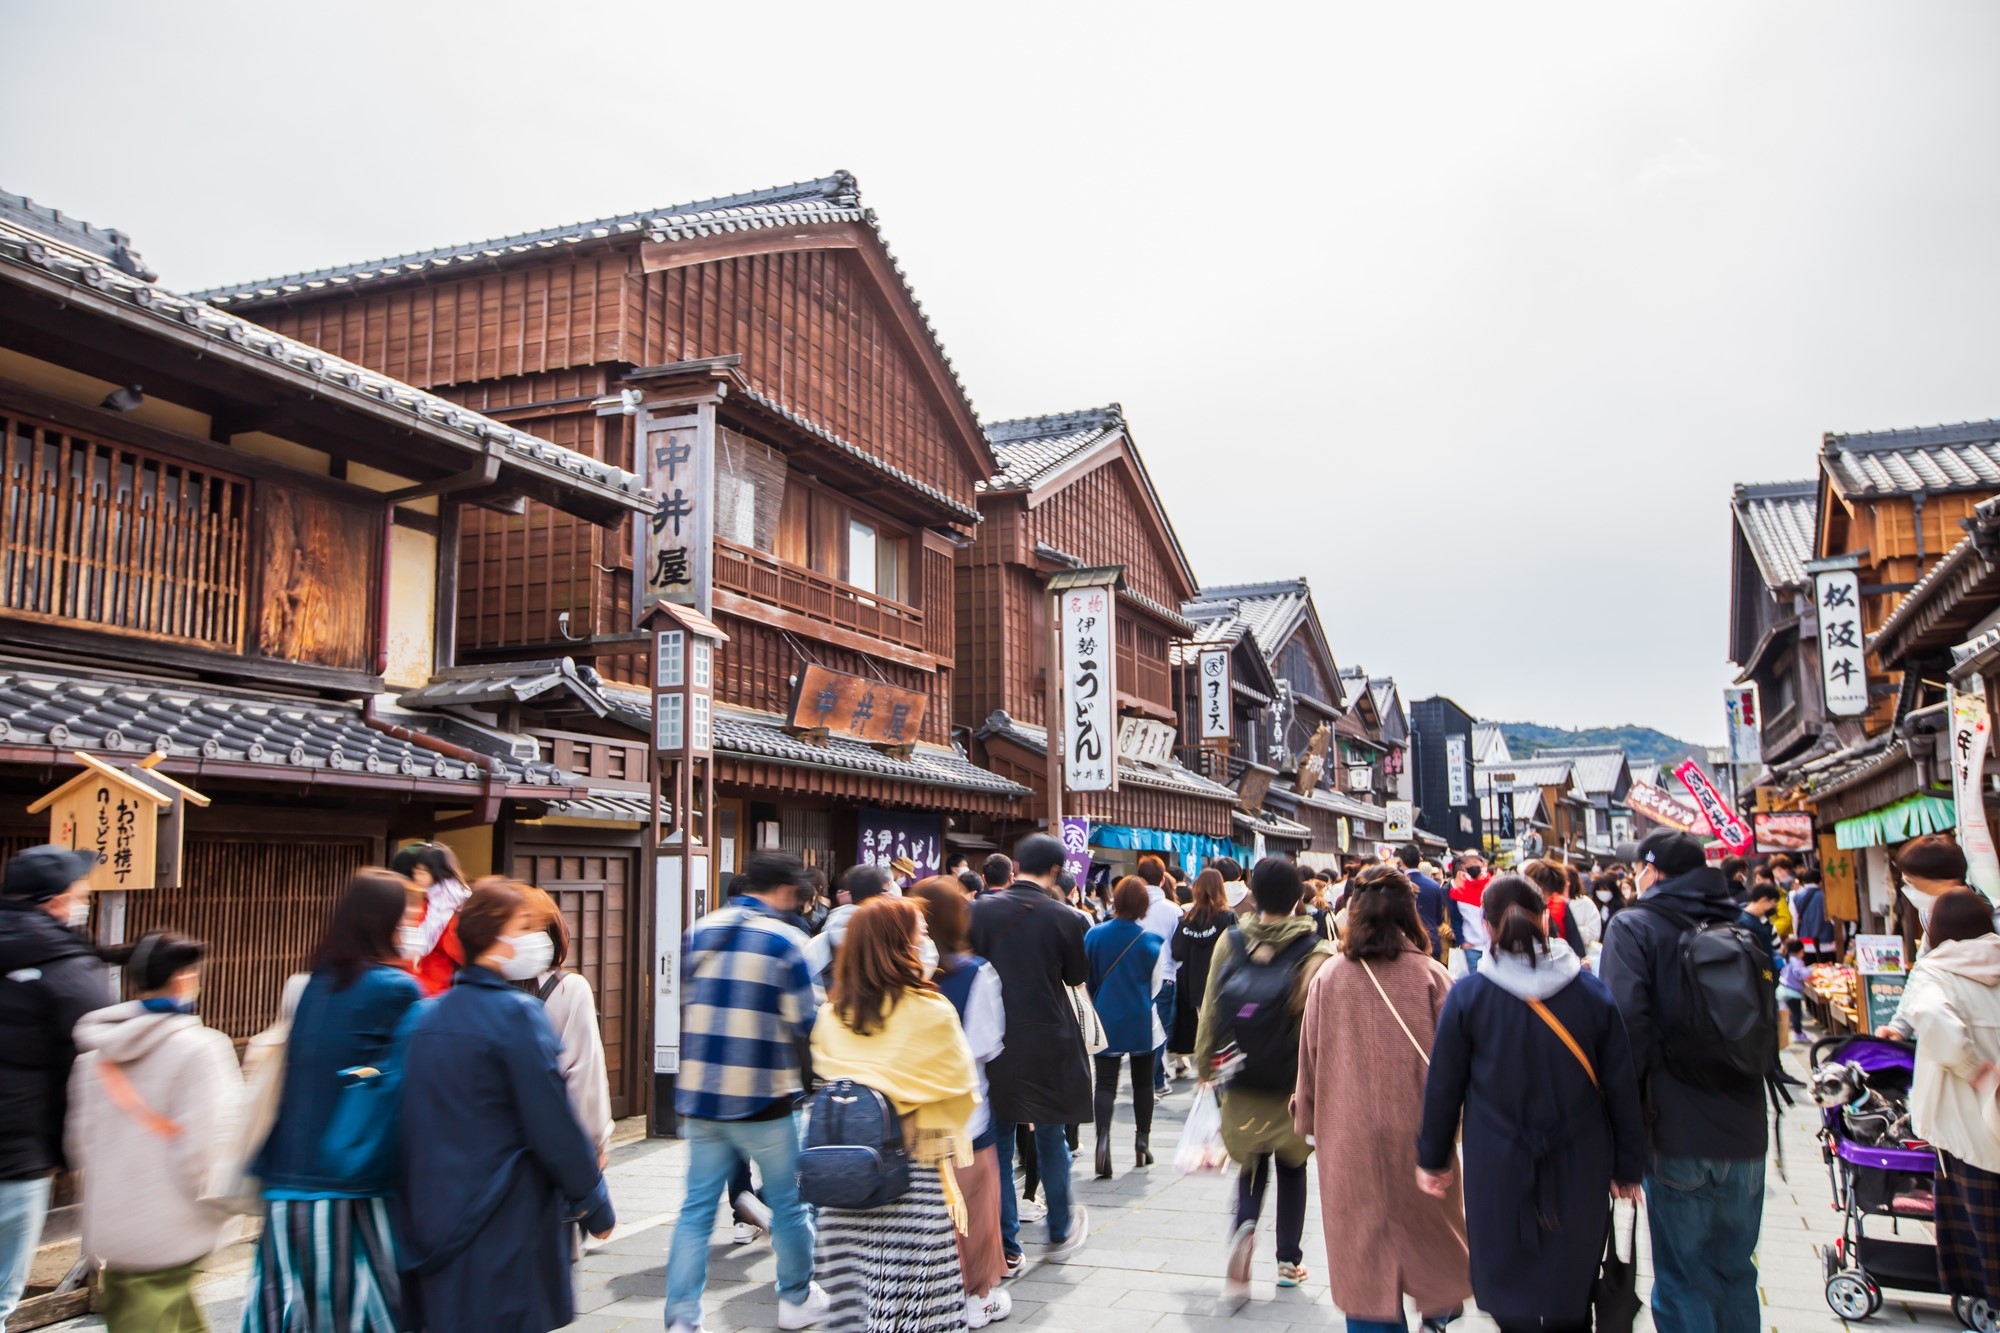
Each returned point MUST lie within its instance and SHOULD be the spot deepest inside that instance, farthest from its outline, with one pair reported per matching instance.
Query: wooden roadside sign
(132, 818)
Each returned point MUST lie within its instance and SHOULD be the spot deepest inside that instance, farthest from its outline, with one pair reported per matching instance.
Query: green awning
(1908, 818)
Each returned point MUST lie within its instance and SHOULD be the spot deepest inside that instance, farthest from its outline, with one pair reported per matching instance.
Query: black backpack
(1254, 1010)
(1723, 1031)
(852, 1153)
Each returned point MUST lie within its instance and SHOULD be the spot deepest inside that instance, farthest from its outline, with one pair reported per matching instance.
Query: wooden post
(1052, 679)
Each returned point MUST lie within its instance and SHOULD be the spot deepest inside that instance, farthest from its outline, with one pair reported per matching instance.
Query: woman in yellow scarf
(894, 1269)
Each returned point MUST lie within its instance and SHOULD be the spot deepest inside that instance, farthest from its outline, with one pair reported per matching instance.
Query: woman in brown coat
(1363, 1056)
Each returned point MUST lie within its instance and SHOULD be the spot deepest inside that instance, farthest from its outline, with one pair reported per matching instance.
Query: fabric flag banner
(1729, 830)
(1076, 847)
(1971, 734)
(1662, 808)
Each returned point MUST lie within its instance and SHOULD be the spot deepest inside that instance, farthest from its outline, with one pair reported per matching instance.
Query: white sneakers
(1236, 1277)
(807, 1312)
(1079, 1230)
(990, 1308)
(746, 1233)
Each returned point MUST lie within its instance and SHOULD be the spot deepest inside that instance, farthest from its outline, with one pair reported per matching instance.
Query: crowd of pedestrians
(1474, 1067)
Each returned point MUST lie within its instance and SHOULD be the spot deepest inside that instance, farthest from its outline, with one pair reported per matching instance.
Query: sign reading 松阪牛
(1843, 649)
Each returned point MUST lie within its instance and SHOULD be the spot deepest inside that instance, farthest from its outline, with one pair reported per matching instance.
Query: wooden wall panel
(260, 905)
(594, 890)
(518, 321)
(812, 336)
(318, 563)
(757, 664)
(1098, 517)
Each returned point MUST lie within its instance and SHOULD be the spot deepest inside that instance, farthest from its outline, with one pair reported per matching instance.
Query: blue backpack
(852, 1154)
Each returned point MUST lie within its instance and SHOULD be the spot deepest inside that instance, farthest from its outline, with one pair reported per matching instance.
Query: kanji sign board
(130, 817)
(857, 707)
(1090, 694)
(1215, 687)
(1843, 649)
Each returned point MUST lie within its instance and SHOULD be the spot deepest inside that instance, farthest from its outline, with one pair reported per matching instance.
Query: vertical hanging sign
(1215, 690)
(1459, 791)
(1843, 652)
(1971, 735)
(1746, 738)
(1090, 711)
(676, 541)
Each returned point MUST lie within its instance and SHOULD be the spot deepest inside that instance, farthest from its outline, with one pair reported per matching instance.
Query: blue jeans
(1163, 1005)
(1052, 1153)
(1472, 957)
(24, 1204)
(1376, 1325)
(714, 1149)
(1704, 1214)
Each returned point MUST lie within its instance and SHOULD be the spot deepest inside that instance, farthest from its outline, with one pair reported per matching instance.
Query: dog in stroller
(1861, 1085)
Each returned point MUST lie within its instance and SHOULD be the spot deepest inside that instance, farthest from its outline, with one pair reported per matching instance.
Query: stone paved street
(1152, 1263)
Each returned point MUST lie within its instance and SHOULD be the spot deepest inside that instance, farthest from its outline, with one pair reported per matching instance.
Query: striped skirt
(325, 1266)
(892, 1269)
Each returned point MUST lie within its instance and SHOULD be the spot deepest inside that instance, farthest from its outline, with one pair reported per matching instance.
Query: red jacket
(435, 969)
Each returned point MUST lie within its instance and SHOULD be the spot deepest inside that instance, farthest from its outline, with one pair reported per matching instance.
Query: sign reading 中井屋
(677, 548)
(1090, 694)
(1729, 830)
(857, 707)
(1215, 688)
(1843, 649)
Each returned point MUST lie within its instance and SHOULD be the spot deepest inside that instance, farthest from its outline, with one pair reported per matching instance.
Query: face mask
(1922, 901)
(1604, 895)
(532, 956)
(79, 913)
(410, 942)
(927, 955)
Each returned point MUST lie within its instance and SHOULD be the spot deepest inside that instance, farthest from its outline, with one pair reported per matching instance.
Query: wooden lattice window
(98, 533)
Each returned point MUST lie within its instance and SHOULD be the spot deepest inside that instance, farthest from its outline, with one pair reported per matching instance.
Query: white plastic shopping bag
(1201, 1151)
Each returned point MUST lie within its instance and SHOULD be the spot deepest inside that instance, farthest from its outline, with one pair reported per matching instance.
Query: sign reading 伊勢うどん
(1089, 716)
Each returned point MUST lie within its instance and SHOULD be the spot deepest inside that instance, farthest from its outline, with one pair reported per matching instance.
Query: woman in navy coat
(1125, 974)
(496, 1169)
(1533, 1053)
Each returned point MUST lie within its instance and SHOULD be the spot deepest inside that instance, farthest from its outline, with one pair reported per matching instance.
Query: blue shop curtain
(1193, 849)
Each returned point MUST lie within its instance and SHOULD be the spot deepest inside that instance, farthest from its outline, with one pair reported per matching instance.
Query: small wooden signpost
(132, 817)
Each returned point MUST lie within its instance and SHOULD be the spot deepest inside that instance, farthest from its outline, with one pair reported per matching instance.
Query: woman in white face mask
(496, 1168)
(536, 967)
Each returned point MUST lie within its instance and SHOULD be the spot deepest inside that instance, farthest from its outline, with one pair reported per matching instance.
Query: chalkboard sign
(1881, 994)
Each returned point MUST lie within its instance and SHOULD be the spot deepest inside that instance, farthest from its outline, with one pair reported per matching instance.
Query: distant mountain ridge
(1524, 738)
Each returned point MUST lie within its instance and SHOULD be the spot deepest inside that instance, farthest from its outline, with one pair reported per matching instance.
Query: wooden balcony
(767, 579)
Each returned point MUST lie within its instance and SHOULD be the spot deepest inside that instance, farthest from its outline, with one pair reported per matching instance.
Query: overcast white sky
(1469, 313)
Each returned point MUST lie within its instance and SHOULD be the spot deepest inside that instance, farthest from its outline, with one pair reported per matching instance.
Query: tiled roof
(1537, 772)
(1269, 611)
(835, 198)
(105, 242)
(140, 715)
(1165, 777)
(605, 807)
(1028, 448)
(764, 736)
(1596, 767)
(1965, 457)
(336, 379)
(514, 682)
(1272, 826)
(1778, 522)
(1341, 803)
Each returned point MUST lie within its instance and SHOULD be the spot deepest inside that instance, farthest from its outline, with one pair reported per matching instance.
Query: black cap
(46, 872)
(1672, 853)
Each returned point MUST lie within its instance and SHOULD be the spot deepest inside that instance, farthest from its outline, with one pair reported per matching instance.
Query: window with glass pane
(703, 651)
(668, 651)
(700, 728)
(862, 571)
(667, 726)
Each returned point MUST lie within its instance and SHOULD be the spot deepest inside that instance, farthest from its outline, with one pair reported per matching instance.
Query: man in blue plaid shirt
(745, 1024)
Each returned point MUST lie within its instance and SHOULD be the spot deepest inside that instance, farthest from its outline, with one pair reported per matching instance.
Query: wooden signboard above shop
(130, 816)
(833, 703)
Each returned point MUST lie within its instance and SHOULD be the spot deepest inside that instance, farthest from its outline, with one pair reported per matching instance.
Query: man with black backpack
(1695, 989)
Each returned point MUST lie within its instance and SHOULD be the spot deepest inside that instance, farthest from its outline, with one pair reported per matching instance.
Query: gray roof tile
(1029, 448)
(1269, 611)
(20, 244)
(514, 682)
(1164, 777)
(1596, 767)
(1965, 457)
(1272, 826)
(139, 715)
(1778, 521)
(764, 737)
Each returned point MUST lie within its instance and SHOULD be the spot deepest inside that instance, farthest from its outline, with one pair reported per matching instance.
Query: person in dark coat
(496, 1169)
(1193, 946)
(1042, 1077)
(1552, 1125)
(1434, 906)
(49, 978)
(1705, 1180)
(1125, 975)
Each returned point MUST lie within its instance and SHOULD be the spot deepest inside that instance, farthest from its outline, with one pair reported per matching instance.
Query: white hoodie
(142, 1208)
(1953, 1003)
(1554, 968)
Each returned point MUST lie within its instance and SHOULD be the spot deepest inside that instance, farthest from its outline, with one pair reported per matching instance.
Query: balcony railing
(765, 578)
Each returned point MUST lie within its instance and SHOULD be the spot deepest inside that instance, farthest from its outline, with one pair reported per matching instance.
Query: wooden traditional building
(1602, 776)
(1071, 492)
(762, 360)
(1772, 630)
(235, 551)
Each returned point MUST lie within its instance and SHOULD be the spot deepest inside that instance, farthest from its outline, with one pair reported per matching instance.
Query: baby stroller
(1879, 1169)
